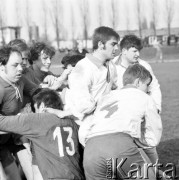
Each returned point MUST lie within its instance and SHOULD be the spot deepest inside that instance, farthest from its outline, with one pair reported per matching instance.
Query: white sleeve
(81, 101)
(154, 88)
(155, 91)
(153, 124)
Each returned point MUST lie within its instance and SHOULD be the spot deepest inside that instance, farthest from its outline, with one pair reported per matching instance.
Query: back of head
(5, 53)
(129, 41)
(134, 72)
(103, 34)
(38, 47)
(50, 98)
(71, 60)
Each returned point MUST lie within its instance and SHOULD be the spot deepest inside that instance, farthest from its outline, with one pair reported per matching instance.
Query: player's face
(25, 62)
(13, 68)
(44, 62)
(143, 86)
(110, 48)
(131, 54)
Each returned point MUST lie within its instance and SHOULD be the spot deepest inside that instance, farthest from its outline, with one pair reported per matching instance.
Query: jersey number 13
(57, 134)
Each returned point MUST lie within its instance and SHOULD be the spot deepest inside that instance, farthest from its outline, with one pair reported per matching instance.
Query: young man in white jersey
(115, 126)
(130, 47)
(94, 75)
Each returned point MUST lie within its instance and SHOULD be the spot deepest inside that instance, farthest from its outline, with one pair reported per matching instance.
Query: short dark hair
(103, 34)
(129, 41)
(136, 71)
(71, 60)
(21, 45)
(5, 53)
(49, 97)
(38, 47)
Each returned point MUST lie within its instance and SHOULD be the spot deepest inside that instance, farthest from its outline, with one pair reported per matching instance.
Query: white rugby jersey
(87, 83)
(124, 111)
(154, 88)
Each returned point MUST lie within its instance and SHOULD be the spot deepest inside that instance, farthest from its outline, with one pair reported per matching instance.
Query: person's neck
(99, 56)
(8, 79)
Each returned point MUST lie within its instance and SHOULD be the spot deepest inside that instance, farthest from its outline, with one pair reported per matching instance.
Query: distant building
(149, 38)
(7, 33)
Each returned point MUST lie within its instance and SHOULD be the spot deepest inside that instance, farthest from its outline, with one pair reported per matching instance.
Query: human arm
(55, 83)
(81, 100)
(30, 125)
(59, 113)
(154, 87)
(153, 124)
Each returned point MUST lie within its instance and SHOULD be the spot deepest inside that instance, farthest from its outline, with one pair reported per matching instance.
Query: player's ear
(2, 67)
(42, 107)
(136, 82)
(124, 51)
(100, 45)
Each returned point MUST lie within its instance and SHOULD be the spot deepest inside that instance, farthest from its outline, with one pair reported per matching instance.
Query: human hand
(49, 80)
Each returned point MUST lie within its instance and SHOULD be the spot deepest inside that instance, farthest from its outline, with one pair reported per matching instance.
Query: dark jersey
(9, 104)
(55, 143)
(34, 74)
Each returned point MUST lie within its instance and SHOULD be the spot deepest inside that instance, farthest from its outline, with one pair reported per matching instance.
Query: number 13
(57, 134)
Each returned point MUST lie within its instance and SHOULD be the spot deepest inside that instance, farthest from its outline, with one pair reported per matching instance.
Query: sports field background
(168, 75)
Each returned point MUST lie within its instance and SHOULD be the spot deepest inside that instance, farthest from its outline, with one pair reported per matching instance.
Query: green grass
(147, 53)
(169, 52)
(168, 76)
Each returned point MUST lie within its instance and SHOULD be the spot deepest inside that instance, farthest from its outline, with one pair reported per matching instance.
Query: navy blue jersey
(55, 143)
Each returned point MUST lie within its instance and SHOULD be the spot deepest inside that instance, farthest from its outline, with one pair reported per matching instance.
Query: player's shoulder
(53, 119)
(144, 64)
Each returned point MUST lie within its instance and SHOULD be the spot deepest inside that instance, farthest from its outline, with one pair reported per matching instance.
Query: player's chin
(113, 55)
(135, 60)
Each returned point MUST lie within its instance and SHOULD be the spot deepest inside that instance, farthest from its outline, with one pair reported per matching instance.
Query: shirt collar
(94, 60)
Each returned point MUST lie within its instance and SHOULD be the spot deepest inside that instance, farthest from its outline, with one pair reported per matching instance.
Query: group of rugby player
(101, 107)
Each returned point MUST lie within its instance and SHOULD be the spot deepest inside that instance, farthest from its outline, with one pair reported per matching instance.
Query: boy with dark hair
(41, 55)
(21, 45)
(117, 122)
(12, 86)
(103, 34)
(94, 75)
(54, 140)
(130, 47)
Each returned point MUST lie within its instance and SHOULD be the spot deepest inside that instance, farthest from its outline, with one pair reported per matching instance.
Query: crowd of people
(68, 126)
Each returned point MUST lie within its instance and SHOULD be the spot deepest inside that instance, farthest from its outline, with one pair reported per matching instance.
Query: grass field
(168, 76)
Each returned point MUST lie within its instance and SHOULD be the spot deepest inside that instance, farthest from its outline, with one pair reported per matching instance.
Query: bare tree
(154, 16)
(27, 19)
(56, 19)
(114, 13)
(126, 7)
(18, 15)
(139, 17)
(169, 14)
(72, 25)
(45, 13)
(84, 8)
(2, 21)
(100, 12)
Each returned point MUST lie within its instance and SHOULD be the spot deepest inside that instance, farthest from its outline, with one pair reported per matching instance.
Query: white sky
(126, 9)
